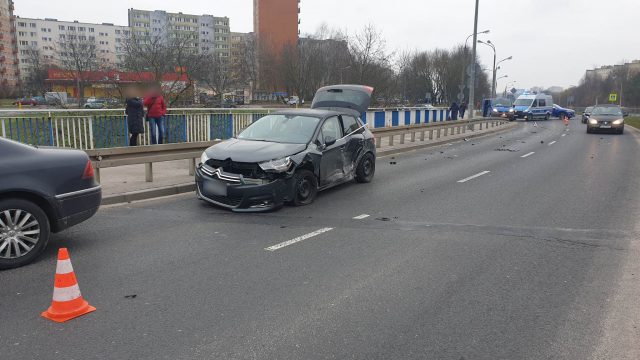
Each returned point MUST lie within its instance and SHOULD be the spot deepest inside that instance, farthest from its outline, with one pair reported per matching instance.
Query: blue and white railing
(93, 129)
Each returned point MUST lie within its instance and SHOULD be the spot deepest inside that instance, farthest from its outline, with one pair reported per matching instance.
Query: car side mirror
(625, 114)
(329, 140)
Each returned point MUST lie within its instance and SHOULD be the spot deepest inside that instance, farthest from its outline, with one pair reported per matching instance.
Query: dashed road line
(527, 155)
(553, 142)
(474, 176)
(360, 217)
(298, 239)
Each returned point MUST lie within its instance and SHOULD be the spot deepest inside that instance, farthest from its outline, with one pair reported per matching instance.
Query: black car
(42, 191)
(288, 156)
(586, 114)
(606, 118)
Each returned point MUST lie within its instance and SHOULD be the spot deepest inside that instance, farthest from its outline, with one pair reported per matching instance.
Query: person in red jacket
(156, 110)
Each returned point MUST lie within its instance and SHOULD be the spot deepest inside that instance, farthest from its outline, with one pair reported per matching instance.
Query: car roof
(319, 113)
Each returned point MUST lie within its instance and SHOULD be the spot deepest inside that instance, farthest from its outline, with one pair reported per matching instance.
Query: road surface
(455, 252)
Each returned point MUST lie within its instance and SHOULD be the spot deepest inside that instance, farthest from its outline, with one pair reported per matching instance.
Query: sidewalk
(127, 183)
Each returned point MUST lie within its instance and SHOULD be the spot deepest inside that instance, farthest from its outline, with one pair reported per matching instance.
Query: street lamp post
(472, 84)
(465, 64)
(498, 67)
(493, 80)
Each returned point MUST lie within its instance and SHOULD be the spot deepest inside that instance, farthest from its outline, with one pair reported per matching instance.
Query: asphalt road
(467, 253)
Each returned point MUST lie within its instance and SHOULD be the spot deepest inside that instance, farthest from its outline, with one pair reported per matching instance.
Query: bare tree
(37, 71)
(77, 54)
(368, 52)
(172, 59)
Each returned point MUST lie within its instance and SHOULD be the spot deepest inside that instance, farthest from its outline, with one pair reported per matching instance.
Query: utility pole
(472, 82)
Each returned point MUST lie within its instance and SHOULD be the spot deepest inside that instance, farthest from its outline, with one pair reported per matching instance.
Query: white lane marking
(527, 155)
(474, 176)
(563, 135)
(298, 239)
(360, 217)
(551, 143)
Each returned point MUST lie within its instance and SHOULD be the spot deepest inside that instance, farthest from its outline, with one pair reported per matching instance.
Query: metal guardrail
(114, 157)
(105, 128)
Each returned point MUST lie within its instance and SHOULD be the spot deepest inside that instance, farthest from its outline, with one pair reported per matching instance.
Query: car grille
(251, 170)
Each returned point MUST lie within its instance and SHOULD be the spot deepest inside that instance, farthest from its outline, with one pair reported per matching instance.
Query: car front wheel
(306, 188)
(24, 232)
(366, 168)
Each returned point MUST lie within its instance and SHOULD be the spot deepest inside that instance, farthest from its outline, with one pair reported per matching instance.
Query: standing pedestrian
(463, 109)
(134, 109)
(454, 111)
(156, 110)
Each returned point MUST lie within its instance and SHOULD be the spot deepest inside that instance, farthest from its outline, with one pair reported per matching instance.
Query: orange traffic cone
(67, 301)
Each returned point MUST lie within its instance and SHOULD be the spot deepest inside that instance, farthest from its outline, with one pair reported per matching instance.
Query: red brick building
(275, 23)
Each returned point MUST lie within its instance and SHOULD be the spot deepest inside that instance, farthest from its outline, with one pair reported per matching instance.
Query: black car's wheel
(24, 232)
(546, 117)
(366, 168)
(306, 188)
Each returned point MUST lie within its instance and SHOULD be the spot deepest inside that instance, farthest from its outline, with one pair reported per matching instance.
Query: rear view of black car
(42, 191)
(288, 156)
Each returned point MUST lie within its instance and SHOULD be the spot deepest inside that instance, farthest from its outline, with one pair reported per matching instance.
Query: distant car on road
(30, 101)
(42, 191)
(586, 114)
(288, 156)
(559, 112)
(94, 103)
(606, 118)
(501, 107)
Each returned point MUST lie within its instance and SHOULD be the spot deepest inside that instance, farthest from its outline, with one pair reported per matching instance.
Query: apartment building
(204, 33)
(9, 71)
(45, 37)
(630, 68)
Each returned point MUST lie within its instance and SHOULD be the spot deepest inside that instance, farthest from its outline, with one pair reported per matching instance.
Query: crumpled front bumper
(242, 197)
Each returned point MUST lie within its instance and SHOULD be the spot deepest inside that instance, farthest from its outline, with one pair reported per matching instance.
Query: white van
(532, 106)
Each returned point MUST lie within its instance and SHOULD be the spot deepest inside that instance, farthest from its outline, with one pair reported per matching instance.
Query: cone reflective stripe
(67, 300)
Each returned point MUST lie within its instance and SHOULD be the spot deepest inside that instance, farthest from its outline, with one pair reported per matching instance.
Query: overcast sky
(552, 41)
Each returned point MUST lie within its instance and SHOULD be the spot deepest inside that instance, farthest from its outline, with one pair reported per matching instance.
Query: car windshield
(523, 102)
(294, 129)
(502, 102)
(607, 111)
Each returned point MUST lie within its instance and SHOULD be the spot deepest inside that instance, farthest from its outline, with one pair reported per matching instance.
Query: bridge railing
(96, 129)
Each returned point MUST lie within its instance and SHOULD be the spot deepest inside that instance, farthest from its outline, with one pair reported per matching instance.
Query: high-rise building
(275, 23)
(46, 38)
(9, 72)
(209, 34)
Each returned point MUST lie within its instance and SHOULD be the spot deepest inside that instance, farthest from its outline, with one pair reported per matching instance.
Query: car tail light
(88, 171)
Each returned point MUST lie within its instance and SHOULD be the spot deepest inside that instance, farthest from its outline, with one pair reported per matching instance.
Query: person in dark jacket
(135, 114)
(156, 110)
(454, 111)
(463, 109)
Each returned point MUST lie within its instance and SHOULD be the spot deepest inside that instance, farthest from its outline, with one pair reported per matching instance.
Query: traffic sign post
(613, 97)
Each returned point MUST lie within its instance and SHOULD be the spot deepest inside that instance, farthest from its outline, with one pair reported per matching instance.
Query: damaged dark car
(289, 156)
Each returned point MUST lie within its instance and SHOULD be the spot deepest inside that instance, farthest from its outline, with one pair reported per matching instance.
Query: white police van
(532, 106)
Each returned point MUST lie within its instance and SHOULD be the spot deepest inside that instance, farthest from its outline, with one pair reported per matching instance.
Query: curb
(148, 194)
(445, 141)
(191, 187)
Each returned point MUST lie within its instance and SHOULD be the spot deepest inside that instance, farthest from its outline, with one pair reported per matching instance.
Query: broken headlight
(279, 165)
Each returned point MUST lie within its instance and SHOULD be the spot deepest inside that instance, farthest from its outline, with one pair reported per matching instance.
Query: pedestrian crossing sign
(613, 97)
